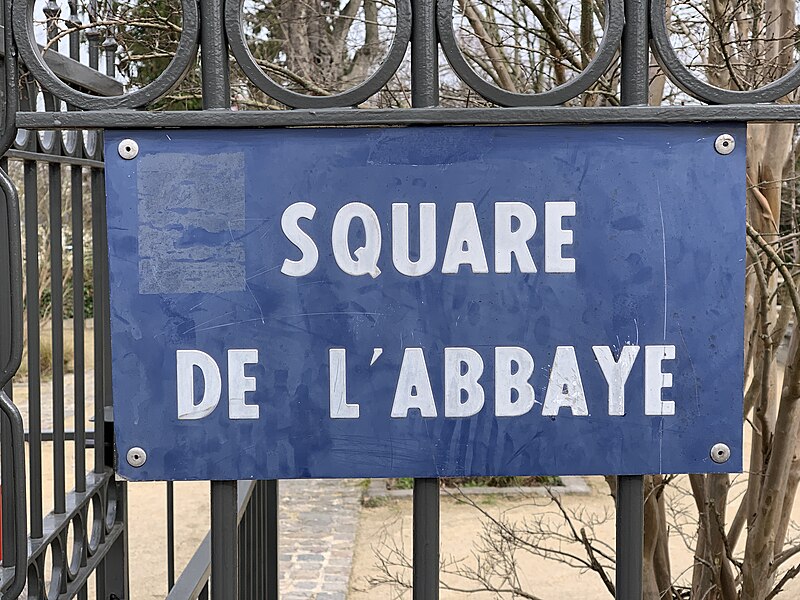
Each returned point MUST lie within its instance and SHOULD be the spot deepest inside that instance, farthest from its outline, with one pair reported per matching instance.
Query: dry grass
(46, 349)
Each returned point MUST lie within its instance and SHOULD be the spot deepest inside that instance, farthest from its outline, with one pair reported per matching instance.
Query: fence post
(224, 541)
(113, 570)
(425, 93)
(634, 90)
(270, 534)
(224, 505)
(630, 536)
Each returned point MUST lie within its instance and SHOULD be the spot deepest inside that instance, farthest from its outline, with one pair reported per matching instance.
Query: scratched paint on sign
(427, 302)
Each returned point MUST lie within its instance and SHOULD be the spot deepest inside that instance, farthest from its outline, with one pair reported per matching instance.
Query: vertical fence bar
(7, 475)
(170, 535)
(214, 56)
(224, 526)
(98, 266)
(93, 37)
(12, 436)
(76, 191)
(116, 572)
(245, 555)
(260, 588)
(6, 463)
(224, 542)
(634, 90)
(106, 326)
(634, 83)
(57, 333)
(98, 252)
(630, 536)
(425, 93)
(426, 539)
(270, 540)
(31, 182)
(424, 55)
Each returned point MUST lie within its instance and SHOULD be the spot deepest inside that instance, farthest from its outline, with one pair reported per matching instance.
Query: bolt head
(720, 453)
(128, 149)
(724, 144)
(136, 456)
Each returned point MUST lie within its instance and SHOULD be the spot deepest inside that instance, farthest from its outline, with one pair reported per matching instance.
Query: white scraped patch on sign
(188, 240)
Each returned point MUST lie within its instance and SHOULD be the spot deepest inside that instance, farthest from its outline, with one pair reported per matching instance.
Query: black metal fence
(54, 106)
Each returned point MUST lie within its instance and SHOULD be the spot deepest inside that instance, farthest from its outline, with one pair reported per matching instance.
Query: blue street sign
(426, 302)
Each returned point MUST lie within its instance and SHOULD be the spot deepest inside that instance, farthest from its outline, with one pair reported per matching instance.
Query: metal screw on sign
(724, 144)
(720, 453)
(128, 149)
(136, 456)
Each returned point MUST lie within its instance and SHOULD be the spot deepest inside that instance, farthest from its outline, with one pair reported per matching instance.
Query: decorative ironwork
(682, 77)
(237, 41)
(606, 53)
(35, 62)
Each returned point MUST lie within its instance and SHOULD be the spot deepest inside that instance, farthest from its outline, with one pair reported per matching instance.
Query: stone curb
(572, 486)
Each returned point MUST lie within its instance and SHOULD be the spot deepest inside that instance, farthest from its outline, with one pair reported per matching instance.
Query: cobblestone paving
(318, 520)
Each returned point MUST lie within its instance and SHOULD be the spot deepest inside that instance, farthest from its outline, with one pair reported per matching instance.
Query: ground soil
(389, 526)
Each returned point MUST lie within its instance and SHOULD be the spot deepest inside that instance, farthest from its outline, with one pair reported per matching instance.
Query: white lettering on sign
(556, 237)
(463, 394)
(401, 254)
(337, 369)
(655, 380)
(239, 384)
(187, 362)
(366, 257)
(464, 244)
(515, 225)
(413, 386)
(193, 362)
(565, 387)
(513, 368)
(616, 373)
(291, 229)
(509, 241)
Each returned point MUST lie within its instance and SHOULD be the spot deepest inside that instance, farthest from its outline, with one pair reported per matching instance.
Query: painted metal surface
(196, 250)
